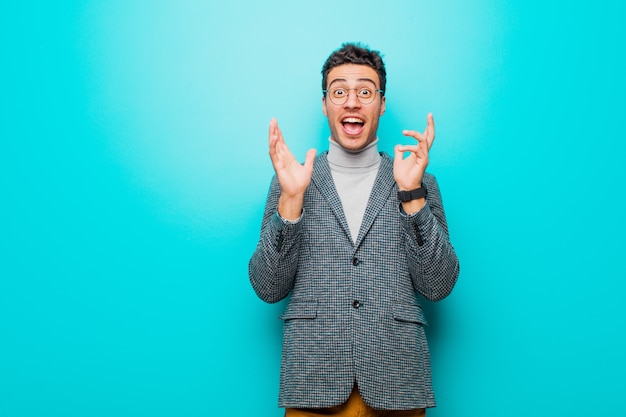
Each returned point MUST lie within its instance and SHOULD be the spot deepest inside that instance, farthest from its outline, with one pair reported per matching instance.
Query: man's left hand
(408, 172)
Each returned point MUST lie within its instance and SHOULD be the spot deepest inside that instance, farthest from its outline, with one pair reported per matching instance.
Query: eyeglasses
(339, 95)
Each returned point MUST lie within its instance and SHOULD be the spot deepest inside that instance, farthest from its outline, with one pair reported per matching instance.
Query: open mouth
(353, 126)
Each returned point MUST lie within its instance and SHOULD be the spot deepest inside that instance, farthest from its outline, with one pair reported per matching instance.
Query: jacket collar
(383, 185)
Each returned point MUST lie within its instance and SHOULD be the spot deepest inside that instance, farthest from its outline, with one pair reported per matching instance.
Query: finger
(271, 137)
(420, 137)
(398, 152)
(310, 158)
(272, 129)
(401, 149)
(277, 141)
(420, 150)
(279, 134)
(273, 134)
(430, 126)
(276, 146)
(279, 152)
(430, 129)
(414, 134)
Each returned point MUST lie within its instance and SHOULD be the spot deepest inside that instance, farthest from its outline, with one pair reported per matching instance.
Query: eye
(365, 93)
(339, 92)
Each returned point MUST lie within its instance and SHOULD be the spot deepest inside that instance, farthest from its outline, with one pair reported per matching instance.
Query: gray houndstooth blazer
(354, 314)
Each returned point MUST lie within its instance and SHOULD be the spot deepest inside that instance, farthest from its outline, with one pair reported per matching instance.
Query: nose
(352, 101)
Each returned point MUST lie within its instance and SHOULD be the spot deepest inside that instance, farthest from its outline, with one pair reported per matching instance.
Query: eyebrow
(345, 80)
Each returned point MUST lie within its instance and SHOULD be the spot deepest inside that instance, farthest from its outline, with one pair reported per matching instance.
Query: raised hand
(408, 172)
(294, 178)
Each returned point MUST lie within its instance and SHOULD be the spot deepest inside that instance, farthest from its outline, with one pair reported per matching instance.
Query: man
(354, 236)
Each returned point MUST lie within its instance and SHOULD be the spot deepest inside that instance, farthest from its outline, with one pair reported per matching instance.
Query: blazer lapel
(383, 185)
(323, 180)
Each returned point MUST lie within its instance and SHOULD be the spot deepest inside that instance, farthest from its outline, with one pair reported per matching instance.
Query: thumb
(398, 153)
(310, 158)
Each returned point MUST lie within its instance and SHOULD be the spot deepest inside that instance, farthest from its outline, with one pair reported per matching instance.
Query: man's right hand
(294, 178)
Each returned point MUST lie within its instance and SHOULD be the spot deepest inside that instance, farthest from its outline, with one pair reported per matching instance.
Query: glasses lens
(365, 95)
(340, 95)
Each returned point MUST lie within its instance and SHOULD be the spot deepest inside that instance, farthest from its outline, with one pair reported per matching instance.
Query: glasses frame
(348, 95)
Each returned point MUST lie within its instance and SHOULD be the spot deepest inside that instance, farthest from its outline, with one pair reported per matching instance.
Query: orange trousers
(354, 407)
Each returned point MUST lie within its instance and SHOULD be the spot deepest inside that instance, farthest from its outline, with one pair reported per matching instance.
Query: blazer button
(356, 304)
(355, 261)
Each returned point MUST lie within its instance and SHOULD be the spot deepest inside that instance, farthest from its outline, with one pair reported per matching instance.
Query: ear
(324, 106)
(383, 105)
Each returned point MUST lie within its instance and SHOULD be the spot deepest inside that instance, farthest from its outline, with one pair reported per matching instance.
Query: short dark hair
(356, 53)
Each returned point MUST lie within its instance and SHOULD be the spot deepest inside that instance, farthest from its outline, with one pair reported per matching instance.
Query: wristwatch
(405, 196)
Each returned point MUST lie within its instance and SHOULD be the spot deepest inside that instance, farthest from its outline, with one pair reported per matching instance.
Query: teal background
(134, 169)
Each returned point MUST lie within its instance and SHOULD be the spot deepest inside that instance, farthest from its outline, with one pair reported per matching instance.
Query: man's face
(353, 124)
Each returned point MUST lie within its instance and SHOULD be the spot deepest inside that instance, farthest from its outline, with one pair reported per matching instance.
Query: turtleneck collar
(364, 158)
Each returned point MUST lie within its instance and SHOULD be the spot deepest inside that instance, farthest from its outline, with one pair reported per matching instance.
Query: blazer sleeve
(272, 268)
(433, 263)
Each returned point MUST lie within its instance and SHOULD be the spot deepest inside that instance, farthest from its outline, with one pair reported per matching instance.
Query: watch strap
(415, 194)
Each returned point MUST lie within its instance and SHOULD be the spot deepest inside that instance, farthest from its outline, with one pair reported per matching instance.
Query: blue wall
(134, 168)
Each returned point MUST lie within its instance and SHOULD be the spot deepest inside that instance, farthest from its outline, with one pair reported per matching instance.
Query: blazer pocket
(300, 309)
(411, 313)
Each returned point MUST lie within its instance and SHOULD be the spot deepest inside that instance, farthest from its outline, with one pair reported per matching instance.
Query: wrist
(290, 207)
(413, 206)
(409, 195)
(412, 200)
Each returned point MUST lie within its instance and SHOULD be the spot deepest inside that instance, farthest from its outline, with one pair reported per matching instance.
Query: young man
(355, 236)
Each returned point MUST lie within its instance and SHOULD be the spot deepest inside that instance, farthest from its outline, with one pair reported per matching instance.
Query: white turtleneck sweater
(354, 174)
